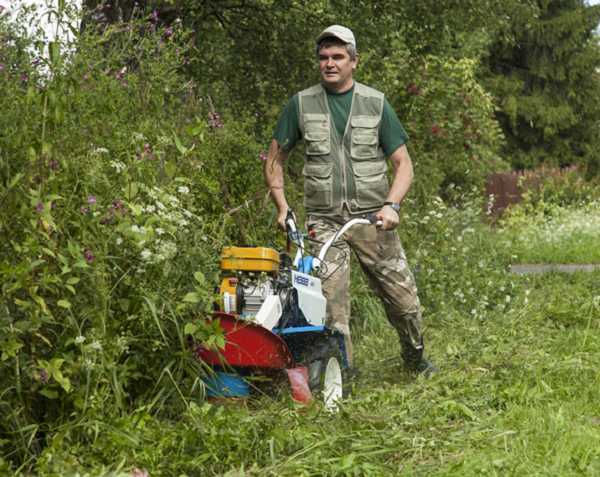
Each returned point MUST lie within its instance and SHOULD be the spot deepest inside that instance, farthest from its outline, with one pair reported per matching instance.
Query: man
(348, 130)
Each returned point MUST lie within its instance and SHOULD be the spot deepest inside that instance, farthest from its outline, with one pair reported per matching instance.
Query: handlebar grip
(373, 219)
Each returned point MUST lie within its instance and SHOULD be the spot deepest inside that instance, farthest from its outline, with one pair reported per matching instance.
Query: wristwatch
(393, 205)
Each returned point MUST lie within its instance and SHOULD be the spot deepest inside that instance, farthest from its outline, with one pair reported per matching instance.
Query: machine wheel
(325, 373)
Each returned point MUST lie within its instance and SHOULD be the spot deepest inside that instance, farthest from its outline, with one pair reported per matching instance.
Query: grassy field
(517, 394)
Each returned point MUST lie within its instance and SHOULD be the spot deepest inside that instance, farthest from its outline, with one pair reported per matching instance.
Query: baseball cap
(340, 32)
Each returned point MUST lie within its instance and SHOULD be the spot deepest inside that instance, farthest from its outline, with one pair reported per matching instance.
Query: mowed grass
(517, 394)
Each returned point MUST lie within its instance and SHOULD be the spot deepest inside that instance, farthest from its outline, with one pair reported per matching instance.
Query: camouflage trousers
(383, 261)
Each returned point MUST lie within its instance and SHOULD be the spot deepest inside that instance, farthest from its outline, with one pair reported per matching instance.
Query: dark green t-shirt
(391, 132)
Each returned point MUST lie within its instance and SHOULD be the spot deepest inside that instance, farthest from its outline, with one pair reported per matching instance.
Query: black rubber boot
(415, 361)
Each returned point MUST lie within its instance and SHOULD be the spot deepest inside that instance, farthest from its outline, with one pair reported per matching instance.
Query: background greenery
(131, 156)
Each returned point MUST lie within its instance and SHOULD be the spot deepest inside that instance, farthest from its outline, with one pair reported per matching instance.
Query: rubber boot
(415, 361)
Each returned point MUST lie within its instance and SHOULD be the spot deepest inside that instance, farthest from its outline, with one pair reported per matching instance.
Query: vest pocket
(365, 137)
(318, 185)
(371, 183)
(317, 138)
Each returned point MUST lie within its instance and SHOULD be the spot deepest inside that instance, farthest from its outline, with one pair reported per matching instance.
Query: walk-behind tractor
(272, 311)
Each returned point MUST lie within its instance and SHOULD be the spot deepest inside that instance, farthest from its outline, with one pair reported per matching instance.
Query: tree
(543, 68)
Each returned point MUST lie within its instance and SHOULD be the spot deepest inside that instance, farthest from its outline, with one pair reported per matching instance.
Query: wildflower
(436, 130)
(44, 376)
(154, 16)
(214, 120)
(146, 254)
(160, 231)
(119, 75)
(24, 78)
(1, 67)
(101, 150)
(84, 210)
(88, 255)
(183, 190)
(413, 89)
(150, 209)
(36, 61)
(139, 473)
(168, 33)
(96, 345)
(91, 199)
(119, 241)
(39, 208)
(262, 156)
(136, 229)
(80, 339)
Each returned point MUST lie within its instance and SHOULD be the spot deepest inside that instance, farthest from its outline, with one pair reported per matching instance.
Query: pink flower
(1, 67)
(91, 199)
(84, 210)
(24, 77)
(88, 255)
(262, 156)
(214, 120)
(39, 208)
(413, 89)
(139, 473)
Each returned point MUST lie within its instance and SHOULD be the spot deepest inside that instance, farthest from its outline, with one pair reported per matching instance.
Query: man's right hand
(281, 217)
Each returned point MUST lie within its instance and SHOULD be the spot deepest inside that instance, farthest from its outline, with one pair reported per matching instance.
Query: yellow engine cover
(250, 259)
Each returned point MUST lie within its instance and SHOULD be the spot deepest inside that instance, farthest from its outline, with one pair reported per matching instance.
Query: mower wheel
(325, 373)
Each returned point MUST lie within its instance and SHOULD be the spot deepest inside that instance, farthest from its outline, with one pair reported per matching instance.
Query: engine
(261, 286)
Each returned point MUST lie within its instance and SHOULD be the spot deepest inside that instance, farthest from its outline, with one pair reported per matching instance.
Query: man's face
(336, 67)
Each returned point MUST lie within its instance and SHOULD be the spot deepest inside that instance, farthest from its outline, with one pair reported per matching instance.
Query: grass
(516, 395)
(564, 235)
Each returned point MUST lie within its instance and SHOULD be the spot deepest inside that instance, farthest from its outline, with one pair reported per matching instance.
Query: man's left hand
(389, 218)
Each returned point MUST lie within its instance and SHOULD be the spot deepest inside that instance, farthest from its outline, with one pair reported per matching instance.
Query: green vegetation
(131, 156)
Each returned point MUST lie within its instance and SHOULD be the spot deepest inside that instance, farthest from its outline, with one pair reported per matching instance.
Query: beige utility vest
(349, 170)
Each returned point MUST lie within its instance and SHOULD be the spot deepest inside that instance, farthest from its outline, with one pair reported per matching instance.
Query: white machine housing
(311, 301)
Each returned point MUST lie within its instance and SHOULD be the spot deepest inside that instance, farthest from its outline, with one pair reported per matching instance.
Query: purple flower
(1, 67)
(24, 77)
(214, 120)
(43, 376)
(36, 61)
(88, 255)
(154, 16)
(39, 208)
(91, 199)
(168, 33)
(262, 156)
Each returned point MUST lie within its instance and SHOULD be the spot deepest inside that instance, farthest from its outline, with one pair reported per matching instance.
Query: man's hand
(389, 218)
(281, 216)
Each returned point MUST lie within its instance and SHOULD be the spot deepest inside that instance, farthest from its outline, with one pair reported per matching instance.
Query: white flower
(146, 254)
(150, 209)
(160, 205)
(101, 150)
(117, 166)
(80, 339)
(187, 213)
(119, 240)
(183, 190)
(96, 345)
(159, 231)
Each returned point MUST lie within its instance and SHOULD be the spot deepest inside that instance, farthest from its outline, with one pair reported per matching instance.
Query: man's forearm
(403, 175)
(274, 176)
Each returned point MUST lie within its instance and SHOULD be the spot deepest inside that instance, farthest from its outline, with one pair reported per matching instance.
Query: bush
(120, 184)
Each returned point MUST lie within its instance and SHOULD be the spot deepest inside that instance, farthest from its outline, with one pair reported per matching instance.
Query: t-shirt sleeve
(287, 132)
(391, 132)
